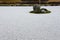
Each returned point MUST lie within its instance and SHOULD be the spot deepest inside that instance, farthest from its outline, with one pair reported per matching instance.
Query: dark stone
(36, 8)
(43, 10)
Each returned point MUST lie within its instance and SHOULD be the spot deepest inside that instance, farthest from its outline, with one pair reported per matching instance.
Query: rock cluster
(37, 9)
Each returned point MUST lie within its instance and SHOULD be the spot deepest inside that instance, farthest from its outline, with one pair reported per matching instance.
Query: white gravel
(16, 23)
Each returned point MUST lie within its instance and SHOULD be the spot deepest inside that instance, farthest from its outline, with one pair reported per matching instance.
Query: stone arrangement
(37, 9)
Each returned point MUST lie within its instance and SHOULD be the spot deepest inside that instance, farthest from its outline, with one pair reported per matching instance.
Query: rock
(36, 8)
(44, 10)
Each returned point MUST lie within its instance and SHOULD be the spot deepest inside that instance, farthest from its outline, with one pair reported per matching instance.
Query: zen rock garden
(38, 10)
